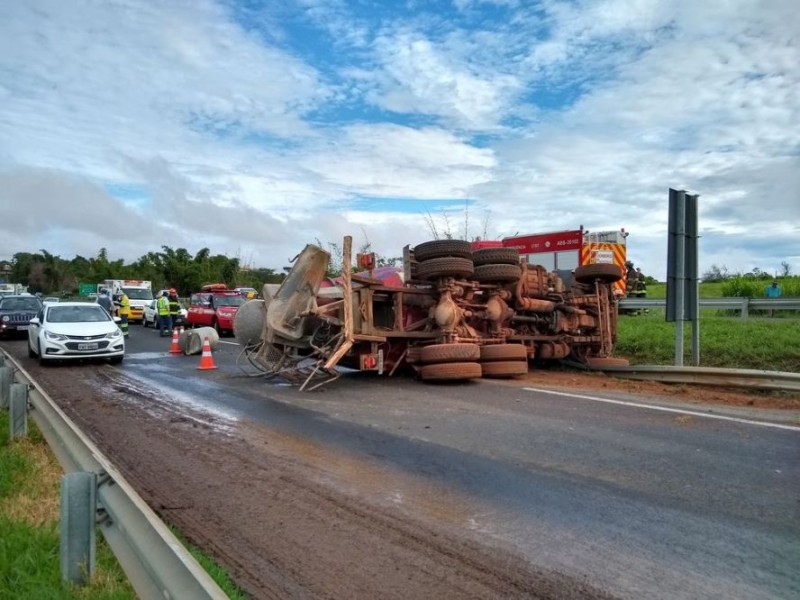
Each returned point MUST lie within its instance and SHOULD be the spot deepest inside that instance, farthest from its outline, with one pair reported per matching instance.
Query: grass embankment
(726, 340)
(30, 568)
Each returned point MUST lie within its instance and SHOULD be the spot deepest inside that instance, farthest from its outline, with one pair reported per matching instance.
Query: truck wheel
(599, 362)
(444, 267)
(450, 353)
(495, 256)
(607, 273)
(496, 352)
(451, 371)
(505, 368)
(441, 249)
(497, 273)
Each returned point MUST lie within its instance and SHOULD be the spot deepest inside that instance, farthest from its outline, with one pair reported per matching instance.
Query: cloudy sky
(254, 127)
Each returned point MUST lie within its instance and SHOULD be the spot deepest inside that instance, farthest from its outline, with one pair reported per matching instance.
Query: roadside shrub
(743, 287)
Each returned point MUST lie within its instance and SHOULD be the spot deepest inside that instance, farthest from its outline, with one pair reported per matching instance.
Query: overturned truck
(456, 313)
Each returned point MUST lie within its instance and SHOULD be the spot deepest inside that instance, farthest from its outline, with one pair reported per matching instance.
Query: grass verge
(732, 342)
(30, 479)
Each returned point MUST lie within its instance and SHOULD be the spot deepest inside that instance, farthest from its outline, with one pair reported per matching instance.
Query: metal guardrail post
(78, 511)
(156, 563)
(18, 411)
(745, 307)
(6, 377)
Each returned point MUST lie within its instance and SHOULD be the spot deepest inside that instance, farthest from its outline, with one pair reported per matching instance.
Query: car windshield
(29, 304)
(138, 294)
(228, 300)
(91, 313)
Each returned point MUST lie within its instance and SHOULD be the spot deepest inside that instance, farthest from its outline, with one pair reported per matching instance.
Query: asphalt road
(639, 501)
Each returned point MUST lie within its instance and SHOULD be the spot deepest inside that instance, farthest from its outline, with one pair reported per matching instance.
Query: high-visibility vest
(163, 306)
(124, 306)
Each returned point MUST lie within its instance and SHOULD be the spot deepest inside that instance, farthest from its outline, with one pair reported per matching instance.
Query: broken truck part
(457, 314)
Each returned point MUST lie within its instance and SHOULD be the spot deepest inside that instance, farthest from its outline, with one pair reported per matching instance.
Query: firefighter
(124, 312)
(174, 306)
(641, 284)
(164, 318)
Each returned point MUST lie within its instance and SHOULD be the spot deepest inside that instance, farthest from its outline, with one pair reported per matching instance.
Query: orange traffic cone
(206, 360)
(175, 348)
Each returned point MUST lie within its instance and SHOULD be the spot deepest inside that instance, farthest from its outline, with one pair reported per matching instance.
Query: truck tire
(607, 273)
(495, 352)
(599, 362)
(450, 353)
(441, 249)
(495, 256)
(504, 368)
(451, 371)
(444, 267)
(497, 273)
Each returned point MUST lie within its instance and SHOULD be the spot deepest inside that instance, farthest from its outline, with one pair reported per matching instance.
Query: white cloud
(241, 136)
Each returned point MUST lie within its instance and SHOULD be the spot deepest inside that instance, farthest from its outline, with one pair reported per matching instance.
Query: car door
(34, 327)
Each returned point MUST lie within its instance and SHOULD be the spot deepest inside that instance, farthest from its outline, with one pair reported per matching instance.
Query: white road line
(231, 343)
(665, 409)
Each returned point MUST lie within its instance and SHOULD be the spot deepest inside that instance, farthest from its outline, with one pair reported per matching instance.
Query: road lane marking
(665, 409)
(231, 343)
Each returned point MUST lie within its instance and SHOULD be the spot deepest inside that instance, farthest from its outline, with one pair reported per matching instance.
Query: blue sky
(256, 127)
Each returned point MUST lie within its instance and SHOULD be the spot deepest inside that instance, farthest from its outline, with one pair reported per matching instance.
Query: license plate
(22, 327)
(87, 346)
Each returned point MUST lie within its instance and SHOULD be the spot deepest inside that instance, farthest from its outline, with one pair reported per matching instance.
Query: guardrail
(743, 378)
(744, 305)
(156, 563)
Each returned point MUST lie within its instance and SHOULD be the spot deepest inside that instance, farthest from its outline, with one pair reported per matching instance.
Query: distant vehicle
(139, 292)
(215, 306)
(73, 330)
(51, 299)
(151, 316)
(247, 292)
(16, 313)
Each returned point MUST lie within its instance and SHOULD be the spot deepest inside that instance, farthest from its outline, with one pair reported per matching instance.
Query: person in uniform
(174, 306)
(124, 312)
(164, 318)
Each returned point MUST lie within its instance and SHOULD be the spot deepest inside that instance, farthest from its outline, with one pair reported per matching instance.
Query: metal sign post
(682, 277)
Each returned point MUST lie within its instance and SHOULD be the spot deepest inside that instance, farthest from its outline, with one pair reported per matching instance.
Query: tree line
(171, 268)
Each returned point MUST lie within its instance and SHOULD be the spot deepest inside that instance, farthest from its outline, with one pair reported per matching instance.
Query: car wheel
(42, 361)
(215, 325)
(31, 353)
(115, 360)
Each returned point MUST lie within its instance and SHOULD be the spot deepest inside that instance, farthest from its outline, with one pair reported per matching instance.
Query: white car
(70, 330)
(150, 315)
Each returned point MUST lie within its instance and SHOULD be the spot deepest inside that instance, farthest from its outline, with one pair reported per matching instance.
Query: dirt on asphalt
(266, 508)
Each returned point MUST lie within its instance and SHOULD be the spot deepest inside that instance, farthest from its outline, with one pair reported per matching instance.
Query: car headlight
(114, 334)
(6, 318)
(55, 336)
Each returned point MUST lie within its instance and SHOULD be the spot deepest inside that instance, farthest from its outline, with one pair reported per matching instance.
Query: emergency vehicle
(139, 292)
(564, 251)
(214, 306)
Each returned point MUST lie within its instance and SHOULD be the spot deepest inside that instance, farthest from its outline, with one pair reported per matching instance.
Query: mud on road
(262, 507)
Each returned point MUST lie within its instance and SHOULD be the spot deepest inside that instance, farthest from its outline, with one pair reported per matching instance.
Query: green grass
(754, 343)
(29, 529)
(30, 567)
(217, 574)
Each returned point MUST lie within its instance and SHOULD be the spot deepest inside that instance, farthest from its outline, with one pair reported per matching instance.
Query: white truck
(139, 292)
